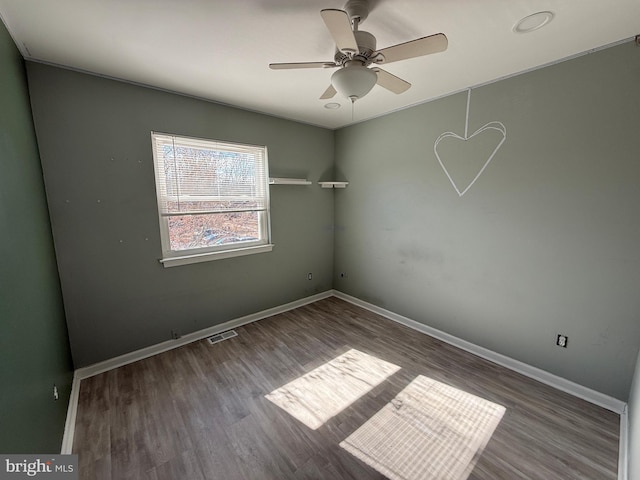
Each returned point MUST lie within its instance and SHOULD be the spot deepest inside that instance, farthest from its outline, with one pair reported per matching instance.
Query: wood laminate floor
(200, 412)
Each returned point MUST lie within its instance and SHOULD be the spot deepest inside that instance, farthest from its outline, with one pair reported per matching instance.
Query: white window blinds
(195, 176)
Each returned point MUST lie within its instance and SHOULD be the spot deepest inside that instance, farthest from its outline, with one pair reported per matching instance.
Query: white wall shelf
(333, 184)
(288, 181)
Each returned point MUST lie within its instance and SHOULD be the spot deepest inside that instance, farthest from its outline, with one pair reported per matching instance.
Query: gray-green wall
(546, 241)
(95, 145)
(633, 448)
(34, 347)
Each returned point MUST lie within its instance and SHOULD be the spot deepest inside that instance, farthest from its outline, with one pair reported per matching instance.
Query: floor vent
(218, 337)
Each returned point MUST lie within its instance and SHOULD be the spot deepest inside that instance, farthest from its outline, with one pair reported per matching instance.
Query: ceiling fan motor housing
(366, 46)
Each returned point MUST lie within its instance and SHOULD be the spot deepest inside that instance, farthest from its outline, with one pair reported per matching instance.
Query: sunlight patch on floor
(324, 392)
(429, 431)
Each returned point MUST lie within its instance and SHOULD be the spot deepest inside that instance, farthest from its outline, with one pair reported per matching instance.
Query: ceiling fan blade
(328, 93)
(339, 25)
(286, 66)
(391, 82)
(415, 48)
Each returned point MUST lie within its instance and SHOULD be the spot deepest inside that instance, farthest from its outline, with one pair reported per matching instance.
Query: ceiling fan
(356, 51)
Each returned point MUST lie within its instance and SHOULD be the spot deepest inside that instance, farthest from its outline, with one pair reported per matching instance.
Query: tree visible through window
(212, 196)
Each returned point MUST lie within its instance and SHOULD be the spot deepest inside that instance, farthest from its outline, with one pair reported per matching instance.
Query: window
(213, 198)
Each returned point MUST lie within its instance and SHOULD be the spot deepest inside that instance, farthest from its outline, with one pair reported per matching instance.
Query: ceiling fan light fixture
(354, 81)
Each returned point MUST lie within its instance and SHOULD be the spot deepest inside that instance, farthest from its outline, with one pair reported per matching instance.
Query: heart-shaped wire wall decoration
(491, 126)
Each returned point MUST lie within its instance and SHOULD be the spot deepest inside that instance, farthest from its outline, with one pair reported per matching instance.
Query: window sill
(209, 256)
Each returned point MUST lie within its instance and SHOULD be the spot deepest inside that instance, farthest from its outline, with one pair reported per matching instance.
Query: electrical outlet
(175, 334)
(310, 276)
(562, 340)
(56, 395)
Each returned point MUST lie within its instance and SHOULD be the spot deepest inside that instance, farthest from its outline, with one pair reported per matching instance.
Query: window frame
(171, 257)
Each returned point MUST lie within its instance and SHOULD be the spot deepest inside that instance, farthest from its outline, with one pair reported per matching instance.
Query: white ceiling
(220, 49)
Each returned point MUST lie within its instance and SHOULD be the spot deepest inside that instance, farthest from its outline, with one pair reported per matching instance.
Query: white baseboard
(70, 424)
(623, 449)
(597, 398)
(547, 378)
(592, 396)
(101, 367)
